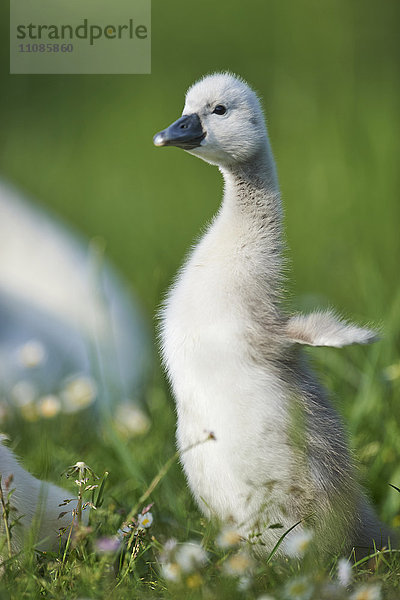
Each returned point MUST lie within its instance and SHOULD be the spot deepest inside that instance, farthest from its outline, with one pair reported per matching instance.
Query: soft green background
(328, 74)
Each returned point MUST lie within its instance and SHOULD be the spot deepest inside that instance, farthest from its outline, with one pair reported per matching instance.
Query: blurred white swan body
(233, 357)
(50, 292)
(55, 289)
(35, 506)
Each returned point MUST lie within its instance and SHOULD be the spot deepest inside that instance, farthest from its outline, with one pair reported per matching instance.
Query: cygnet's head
(222, 122)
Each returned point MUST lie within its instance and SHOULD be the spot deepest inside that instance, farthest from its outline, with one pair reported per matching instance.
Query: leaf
(99, 499)
(65, 502)
(10, 493)
(394, 487)
(279, 542)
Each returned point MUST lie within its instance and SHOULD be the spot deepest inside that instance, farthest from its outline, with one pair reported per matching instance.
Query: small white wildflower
(367, 592)
(78, 393)
(190, 556)
(170, 545)
(131, 420)
(228, 537)
(171, 571)
(298, 542)
(238, 564)
(344, 572)
(23, 392)
(49, 406)
(299, 589)
(32, 354)
(244, 583)
(83, 471)
(145, 521)
(168, 552)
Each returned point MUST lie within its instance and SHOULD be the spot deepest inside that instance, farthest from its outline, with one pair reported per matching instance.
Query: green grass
(328, 75)
(84, 572)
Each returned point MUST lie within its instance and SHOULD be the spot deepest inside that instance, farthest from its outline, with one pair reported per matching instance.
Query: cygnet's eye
(219, 109)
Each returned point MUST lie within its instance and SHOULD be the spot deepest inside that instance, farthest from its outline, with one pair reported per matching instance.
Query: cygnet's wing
(326, 329)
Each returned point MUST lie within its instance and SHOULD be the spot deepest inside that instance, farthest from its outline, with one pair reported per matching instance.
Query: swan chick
(234, 358)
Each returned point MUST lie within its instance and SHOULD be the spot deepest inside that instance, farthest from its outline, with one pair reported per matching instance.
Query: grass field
(82, 146)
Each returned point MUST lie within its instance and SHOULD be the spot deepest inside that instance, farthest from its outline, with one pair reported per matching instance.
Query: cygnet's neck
(251, 188)
(252, 202)
(252, 195)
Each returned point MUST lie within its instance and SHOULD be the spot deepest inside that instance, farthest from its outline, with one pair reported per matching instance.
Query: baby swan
(234, 358)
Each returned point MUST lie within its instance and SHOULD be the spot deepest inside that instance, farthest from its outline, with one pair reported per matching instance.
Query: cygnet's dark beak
(187, 133)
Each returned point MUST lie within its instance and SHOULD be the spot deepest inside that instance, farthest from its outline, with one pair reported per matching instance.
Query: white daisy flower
(131, 420)
(171, 571)
(228, 537)
(344, 572)
(298, 542)
(168, 552)
(145, 521)
(78, 393)
(238, 564)
(190, 556)
(170, 545)
(299, 589)
(23, 392)
(367, 592)
(244, 583)
(49, 406)
(32, 354)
